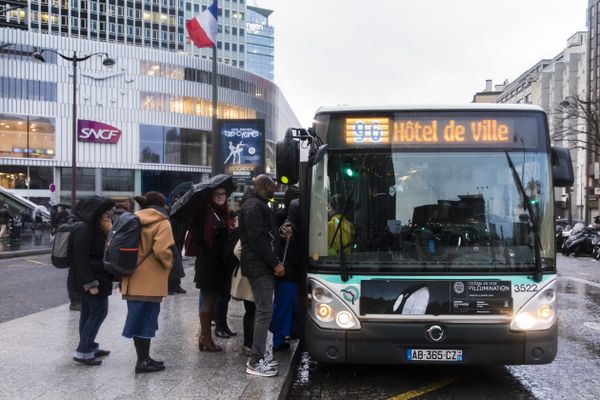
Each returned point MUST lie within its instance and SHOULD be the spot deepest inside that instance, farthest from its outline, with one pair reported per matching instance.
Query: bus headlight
(539, 313)
(344, 319)
(328, 310)
(324, 313)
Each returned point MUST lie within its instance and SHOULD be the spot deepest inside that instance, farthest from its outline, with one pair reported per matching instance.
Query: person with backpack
(87, 241)
(148, 285)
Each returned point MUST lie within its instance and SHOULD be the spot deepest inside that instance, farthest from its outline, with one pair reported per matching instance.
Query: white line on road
(34, 261)
(581, 281)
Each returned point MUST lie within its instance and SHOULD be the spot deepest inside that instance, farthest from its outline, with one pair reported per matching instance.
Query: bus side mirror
(562, 167)
(288, 158)
(318, 155)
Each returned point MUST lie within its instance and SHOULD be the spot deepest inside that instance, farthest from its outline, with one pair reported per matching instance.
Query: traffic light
(348, 168)
(288, 158)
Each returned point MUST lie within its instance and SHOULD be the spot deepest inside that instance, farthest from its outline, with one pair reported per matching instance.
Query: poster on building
(242, 147)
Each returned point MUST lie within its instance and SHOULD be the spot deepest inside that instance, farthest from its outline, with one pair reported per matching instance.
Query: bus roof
(430, 107)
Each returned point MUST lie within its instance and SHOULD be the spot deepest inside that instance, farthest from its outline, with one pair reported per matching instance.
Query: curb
(22, 253)
(290, 374)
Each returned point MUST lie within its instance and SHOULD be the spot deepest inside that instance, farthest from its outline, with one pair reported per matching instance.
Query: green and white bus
(428, 233)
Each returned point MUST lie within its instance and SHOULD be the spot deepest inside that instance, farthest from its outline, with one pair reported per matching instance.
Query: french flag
(203, 29)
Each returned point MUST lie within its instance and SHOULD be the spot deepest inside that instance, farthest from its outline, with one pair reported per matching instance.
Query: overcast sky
(330, 52)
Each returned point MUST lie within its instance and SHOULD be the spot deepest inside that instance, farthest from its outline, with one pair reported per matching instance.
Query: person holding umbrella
(209, 231)
(202, 213)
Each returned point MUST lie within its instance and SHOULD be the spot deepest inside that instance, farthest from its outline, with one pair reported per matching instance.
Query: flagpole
(216, 140)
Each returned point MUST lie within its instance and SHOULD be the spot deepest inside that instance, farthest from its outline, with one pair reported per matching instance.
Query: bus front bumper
(387, 343)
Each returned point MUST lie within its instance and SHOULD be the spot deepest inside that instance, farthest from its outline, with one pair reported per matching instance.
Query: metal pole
(215, 142)
(74, 149)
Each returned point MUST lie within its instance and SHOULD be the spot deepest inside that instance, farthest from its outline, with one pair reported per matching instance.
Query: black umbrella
(184, 209)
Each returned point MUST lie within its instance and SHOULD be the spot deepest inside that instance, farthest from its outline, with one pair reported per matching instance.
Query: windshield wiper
(343, 265)
(532, 220)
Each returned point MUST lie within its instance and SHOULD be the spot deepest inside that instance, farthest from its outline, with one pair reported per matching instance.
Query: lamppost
(107, 62)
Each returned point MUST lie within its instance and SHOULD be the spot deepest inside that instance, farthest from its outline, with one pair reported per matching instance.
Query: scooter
(580, 240)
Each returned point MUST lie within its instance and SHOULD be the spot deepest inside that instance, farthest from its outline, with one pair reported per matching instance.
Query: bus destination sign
(440, 132)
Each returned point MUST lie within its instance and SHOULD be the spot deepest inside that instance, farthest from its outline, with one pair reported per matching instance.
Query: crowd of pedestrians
(263, 245)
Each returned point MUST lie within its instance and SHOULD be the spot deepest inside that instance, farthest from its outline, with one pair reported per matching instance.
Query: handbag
(240, 286)
(190, 247)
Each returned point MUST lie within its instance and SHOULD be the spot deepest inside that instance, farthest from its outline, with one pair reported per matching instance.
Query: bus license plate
(433, 355)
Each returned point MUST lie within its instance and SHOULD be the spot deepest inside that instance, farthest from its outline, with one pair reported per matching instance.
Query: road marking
(34, 261)
(582, 281)
(424, 390)
(583, 273)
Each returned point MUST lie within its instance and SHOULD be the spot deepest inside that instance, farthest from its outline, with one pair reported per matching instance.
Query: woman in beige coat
(146, 287)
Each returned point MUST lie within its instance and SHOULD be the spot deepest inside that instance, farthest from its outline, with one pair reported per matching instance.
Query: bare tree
(577, 123)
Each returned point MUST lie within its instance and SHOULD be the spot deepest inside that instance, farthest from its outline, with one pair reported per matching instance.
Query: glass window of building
(17, 177)
(86, 179)
(172, 145)
(170, 182)
(26, 137)
(118, 180)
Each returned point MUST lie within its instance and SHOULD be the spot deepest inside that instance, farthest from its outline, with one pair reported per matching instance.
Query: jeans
(262, 290)
(286, 297)
(250, 309)
(93, 312)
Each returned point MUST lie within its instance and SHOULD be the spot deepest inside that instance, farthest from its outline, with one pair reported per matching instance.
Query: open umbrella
(184, 209)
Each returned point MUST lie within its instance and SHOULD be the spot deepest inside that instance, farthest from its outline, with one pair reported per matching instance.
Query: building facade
(552, 84)
(260, 43)
(150, 23)
(231, 31)
(489, 94)
(150, 116)
(593, 97)
(13, 14)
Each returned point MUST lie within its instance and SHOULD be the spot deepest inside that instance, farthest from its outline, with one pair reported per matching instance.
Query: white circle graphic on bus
(459, 287)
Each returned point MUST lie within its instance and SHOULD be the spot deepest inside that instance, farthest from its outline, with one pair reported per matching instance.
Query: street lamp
(107, 62)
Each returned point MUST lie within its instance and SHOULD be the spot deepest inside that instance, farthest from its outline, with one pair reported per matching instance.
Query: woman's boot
(205, 342)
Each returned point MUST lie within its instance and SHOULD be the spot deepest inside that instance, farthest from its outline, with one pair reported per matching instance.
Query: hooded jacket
(259, 236)
(155, 258)
(88, 245)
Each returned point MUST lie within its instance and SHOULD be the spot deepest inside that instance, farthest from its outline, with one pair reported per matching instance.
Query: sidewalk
(36, 358)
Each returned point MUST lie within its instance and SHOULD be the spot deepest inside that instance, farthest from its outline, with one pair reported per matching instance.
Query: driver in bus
(334, 233)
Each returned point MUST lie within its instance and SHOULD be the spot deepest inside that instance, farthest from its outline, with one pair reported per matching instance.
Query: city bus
(428, 233)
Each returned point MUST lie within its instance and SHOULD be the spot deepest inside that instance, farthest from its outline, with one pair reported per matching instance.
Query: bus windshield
(458, 211)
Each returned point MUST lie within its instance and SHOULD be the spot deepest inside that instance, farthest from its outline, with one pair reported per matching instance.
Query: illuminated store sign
(97, 132)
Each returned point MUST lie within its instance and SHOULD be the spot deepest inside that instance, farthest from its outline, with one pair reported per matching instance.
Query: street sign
(52, 188)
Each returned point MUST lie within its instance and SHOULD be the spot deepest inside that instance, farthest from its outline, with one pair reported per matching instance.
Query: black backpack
(62, 244)
(122, 245)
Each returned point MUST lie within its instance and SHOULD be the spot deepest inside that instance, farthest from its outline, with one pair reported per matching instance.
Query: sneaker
(261, 368)
(270, 360)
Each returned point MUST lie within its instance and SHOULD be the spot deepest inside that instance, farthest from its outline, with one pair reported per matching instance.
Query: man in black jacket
(92, 280)
(259, 237)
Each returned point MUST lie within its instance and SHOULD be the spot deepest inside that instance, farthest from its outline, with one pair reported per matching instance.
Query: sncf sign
(97, 132)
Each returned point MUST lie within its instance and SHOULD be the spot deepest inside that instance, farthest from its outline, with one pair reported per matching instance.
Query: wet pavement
(574, 374)
(36, 349)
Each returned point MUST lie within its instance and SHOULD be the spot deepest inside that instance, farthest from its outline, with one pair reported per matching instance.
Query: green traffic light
(349, 172)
